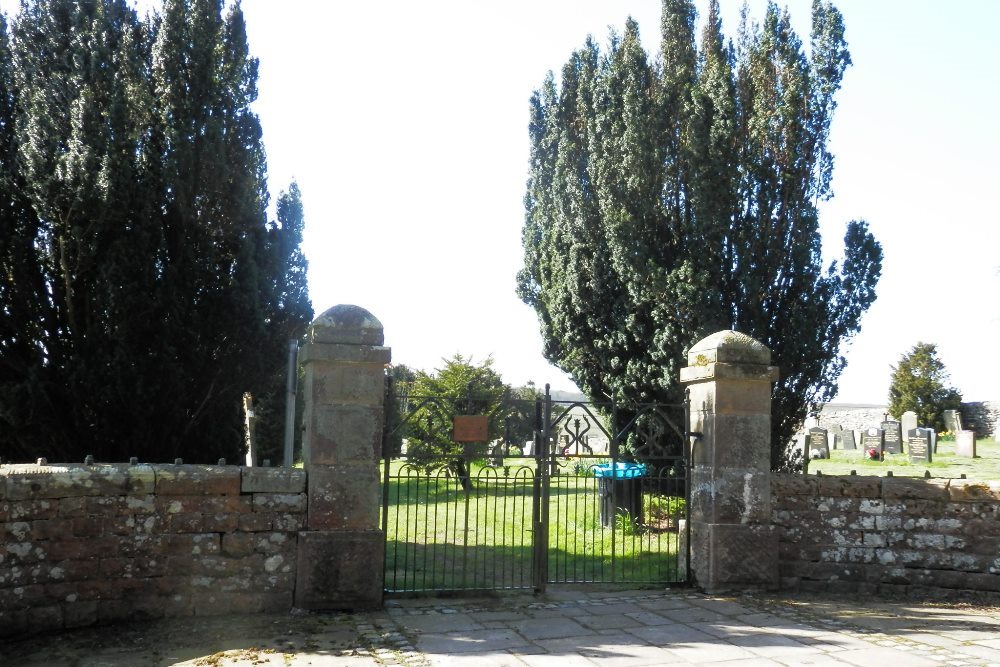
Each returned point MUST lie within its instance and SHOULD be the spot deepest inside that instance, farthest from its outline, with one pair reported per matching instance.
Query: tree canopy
(142, 288)
(920, 383)
(670, 199)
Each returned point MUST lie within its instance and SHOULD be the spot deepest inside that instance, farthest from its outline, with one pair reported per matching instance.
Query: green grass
(442, 538)
(986, 465)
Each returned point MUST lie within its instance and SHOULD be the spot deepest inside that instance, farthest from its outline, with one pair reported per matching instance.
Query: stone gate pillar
(342, 551)
(733, 544)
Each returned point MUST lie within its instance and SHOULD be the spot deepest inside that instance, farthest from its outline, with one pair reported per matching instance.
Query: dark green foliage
(143, 289)
(460, 387)
(920, 383)
(667, 201)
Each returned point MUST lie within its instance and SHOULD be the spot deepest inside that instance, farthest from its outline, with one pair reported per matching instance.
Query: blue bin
(620, 491)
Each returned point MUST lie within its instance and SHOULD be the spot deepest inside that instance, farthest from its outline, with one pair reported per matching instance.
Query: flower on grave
(873, 454)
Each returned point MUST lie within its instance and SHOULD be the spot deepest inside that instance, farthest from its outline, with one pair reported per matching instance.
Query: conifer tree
(145, 290)
(669, 201)
(920, 383)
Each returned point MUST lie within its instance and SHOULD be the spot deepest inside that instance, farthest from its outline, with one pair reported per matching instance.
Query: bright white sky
(405, 124)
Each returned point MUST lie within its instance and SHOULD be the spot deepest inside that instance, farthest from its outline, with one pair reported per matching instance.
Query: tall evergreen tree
(920, 383)
(153, 292)
(670, 201)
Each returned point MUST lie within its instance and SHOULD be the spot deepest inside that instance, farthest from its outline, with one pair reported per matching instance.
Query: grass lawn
(986, 465)
(441, 537)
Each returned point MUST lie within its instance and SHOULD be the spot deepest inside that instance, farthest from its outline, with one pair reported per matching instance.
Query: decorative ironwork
(537, 504)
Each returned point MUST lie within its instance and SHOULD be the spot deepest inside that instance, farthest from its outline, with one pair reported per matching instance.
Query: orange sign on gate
(470, 428)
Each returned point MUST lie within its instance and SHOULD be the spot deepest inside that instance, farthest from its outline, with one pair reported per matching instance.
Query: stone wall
(81, 545)
(985, 415)
(877, 534)
(851, 416)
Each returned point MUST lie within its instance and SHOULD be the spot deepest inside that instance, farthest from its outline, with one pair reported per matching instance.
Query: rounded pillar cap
(729, 347)
(346, 325)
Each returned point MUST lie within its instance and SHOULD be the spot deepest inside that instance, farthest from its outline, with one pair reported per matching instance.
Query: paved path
(564, 629)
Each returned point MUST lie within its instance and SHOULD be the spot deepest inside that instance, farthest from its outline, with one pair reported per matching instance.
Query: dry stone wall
(983, 415)
(81, 545)
(879, 534)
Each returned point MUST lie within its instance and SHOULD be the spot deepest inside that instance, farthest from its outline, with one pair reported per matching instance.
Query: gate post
(341, 554)
(733, 544)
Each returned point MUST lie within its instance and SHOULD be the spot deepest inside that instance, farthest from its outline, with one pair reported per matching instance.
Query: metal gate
(483, 494)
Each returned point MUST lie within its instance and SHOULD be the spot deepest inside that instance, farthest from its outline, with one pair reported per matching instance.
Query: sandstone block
(345, 497)
(340, 570)
(188, 480)
(272, 480)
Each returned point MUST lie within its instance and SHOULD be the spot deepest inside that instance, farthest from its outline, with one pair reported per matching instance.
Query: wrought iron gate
(484, 494)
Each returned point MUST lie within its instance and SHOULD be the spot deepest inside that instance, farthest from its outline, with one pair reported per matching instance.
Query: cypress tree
(151, 292)
(682, 200)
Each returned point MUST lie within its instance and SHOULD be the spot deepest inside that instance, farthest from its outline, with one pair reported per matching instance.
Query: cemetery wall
(849, 416)
(81, 544)
(886, 534)
(984, 415)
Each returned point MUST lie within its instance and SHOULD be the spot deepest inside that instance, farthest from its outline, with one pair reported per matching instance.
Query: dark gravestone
(873, 442)
(893, 437)
(847, 440)
(818, 444)
(918, 443)
(837, 431)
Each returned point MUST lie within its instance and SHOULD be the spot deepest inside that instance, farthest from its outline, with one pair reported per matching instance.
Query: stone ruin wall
(81, 545)
(883, 534)
(984, 415)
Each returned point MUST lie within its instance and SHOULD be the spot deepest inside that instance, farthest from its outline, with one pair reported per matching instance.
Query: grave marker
(847, 440)
(873, 440)
(908, 421)
(918, 443)
(819, 445)
(836, 431)
(952, 420)
(965, 444)
(893, 443)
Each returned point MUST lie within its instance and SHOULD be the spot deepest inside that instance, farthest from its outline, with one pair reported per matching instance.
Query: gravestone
(893, 443)
(818, 444)
(847, 440)
(836, 431)
(965, 444)
(873, 439)
(918, 444)
(952, 420)
(908, 421)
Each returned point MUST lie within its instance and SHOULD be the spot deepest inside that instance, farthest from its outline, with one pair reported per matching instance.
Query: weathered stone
(65, 481)
(735, 429)
(192, 480)
(788, 484)
(343, 434)
(973, 491)
(279, 502)
(347, 324)
(906, 488)
(344, 497)
(272, 480)
(335, 570)
(965, 444)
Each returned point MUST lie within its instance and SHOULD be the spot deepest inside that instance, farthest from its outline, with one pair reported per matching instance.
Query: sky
(405, 126)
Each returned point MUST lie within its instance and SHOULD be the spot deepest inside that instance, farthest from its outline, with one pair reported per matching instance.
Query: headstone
(836, 431)
(893, 437)
(952, 421)
(799, 445)
(818, 444)
(965, 444)
(918, 444)
(934, 440)
(811, 422)
(908, 421)
(847, 440)
(873, 442)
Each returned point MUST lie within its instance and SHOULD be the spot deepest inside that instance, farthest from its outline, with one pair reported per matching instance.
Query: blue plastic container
(620, 470)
